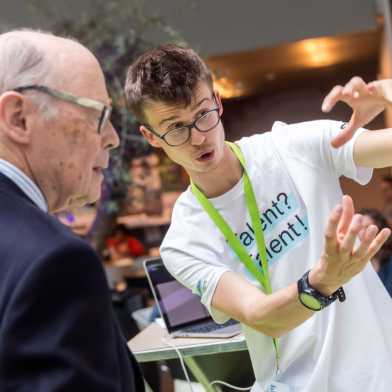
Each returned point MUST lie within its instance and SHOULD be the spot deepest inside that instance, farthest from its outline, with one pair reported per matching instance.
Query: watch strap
(305, 287)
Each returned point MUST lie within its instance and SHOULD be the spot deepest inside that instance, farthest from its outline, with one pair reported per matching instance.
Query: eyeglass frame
(89, 103)
(189, 126)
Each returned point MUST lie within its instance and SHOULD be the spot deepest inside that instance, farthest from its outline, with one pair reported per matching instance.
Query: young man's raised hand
(343, 257)
(367, 100)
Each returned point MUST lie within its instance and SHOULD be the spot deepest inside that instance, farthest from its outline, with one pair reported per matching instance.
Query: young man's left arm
(372, 148)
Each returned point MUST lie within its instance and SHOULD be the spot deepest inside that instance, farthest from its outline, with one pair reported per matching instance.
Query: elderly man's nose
(111, 138)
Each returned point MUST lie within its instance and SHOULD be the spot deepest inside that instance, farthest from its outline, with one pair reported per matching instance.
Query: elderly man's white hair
(23, 63)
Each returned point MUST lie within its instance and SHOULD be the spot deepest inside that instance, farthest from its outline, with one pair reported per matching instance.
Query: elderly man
(247, 235)
(57, 327)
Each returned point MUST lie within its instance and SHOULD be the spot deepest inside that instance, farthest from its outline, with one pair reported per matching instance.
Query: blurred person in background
(382, 260)
(386, 192)
(121, 245)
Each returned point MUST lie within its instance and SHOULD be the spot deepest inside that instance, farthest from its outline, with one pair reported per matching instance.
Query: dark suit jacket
(57, 327)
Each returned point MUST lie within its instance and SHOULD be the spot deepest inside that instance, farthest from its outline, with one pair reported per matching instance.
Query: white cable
(230, 386)
(173, 346)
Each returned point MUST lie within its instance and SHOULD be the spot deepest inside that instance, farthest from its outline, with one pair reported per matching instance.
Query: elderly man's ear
(13, 117)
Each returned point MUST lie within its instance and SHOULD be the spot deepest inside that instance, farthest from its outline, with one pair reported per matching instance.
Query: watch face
(310, 302)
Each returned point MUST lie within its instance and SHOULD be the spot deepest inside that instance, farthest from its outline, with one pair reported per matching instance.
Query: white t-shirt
(295, 175)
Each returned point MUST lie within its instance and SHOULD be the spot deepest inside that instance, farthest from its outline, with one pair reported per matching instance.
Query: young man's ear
(13, 117)
(218, 102)
(149, 136)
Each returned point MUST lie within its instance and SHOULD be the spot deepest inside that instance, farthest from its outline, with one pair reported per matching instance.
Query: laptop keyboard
(208, 326)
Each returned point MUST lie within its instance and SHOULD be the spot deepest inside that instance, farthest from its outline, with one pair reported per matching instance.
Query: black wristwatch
(313, 299)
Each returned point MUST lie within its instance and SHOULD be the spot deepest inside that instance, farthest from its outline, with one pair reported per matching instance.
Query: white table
(150, 345)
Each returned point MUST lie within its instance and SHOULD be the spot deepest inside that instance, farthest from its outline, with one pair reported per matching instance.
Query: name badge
(276, 386)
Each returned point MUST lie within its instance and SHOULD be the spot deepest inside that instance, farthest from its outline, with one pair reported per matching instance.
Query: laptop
(182, 312)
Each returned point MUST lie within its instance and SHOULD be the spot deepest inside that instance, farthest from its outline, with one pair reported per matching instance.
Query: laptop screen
(178, 305)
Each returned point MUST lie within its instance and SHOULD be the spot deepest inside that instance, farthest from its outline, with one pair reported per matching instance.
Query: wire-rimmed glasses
(180, 135)
(105, 110)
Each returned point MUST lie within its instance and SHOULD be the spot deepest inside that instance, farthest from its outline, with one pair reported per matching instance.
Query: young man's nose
(197, 137)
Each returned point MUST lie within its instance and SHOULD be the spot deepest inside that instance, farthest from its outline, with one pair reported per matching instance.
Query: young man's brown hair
(168, 73)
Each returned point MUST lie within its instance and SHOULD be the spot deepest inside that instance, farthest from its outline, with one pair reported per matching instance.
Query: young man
(285, 190)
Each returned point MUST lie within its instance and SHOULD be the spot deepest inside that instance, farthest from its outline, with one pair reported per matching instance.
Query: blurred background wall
(273, 60)
(220, 26)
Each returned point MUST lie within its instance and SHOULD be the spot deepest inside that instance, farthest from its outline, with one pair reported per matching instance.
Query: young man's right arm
(280, 312)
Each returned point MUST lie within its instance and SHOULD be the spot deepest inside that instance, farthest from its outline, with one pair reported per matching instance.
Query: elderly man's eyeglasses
(180, 135)
(105, 110)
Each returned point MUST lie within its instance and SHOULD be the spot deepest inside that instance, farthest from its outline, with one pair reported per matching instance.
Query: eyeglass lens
(203, 124)
(105, 118)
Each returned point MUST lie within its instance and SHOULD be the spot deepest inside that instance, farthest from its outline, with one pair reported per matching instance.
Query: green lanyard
(262, 276)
